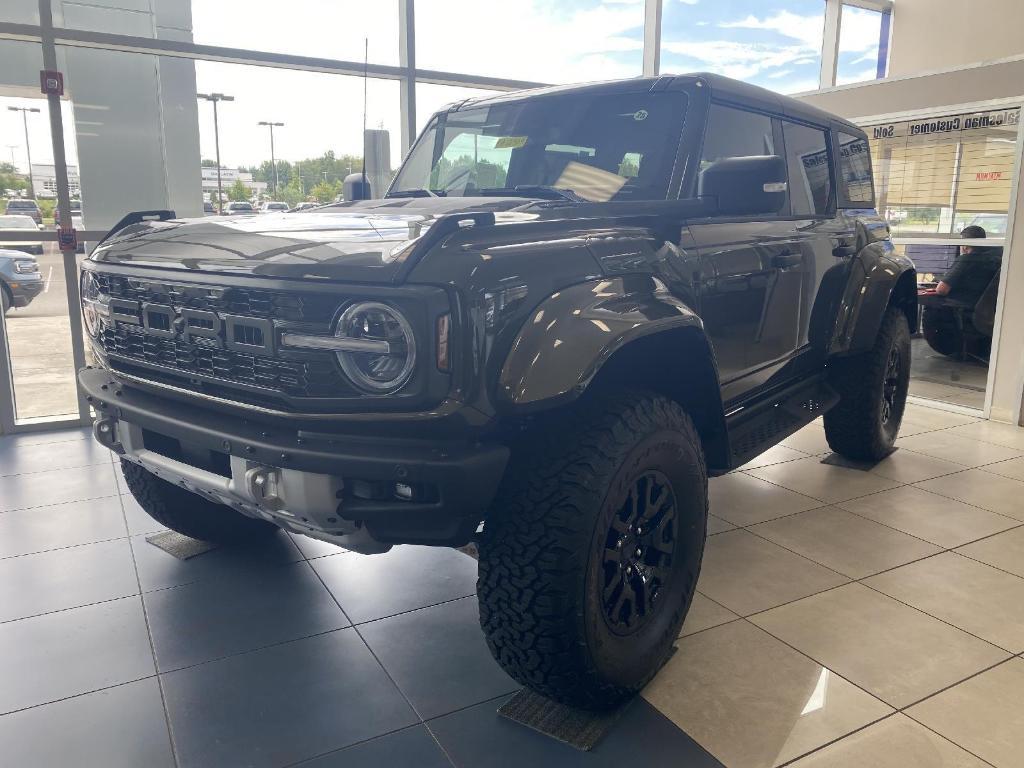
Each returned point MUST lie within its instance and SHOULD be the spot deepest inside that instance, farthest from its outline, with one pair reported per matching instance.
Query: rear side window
(855, 169)
(735, 133)
(810, 179)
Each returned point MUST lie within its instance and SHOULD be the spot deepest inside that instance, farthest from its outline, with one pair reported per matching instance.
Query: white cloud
(809, 30)
(689, 2)
(859, 30)
(740, 60)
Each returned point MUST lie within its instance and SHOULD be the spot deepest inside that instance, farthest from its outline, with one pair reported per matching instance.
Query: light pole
(273, 161)
(12, 147)
(24, 117)
(215, 97)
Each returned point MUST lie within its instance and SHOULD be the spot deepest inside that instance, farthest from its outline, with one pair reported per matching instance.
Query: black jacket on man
(972, 272)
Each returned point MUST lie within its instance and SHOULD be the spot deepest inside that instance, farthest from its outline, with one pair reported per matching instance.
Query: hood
(367, 241)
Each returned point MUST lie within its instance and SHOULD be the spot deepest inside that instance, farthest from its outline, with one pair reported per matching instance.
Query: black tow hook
(105, 432)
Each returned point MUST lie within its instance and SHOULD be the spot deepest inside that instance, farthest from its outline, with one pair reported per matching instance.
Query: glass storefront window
(934, 176)
(430, 98)
(320, 142)
(861, 47)
(332, 29)
(774, 44)
(34, 296)
(20, 11)
(547, 41)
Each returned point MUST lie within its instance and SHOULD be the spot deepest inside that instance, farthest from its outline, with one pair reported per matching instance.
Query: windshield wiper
(535, 190)
(418, 193)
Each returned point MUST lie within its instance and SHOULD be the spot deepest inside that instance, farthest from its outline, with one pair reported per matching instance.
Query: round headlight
(90, 293)
(384, 348)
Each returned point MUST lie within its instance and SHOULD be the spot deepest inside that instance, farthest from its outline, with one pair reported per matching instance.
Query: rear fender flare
(878, 277)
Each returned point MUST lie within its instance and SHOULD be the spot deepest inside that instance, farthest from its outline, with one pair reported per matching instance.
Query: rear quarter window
(810, 175)
(855, 183)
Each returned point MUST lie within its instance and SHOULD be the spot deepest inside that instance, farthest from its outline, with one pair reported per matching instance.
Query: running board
(754, 429)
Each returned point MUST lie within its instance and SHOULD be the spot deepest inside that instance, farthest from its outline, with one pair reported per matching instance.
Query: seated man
(947, 322)
(972, 271)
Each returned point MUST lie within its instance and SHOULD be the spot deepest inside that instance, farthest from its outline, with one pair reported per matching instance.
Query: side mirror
(356, 188)
(745, 185)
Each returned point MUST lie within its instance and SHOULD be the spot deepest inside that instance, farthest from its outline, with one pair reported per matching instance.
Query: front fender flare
(575, 331)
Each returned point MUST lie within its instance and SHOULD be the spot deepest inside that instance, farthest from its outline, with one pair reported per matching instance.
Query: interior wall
(930, 35)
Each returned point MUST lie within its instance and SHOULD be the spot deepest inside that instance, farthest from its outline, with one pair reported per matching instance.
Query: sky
(773, 43)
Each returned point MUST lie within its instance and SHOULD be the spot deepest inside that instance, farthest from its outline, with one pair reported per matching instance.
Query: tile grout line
(76, 695)
(62, 503)
(61, 468)
(367, 645)
(149, 634)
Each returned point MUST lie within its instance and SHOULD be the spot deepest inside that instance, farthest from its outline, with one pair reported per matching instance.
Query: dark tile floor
(114, 653)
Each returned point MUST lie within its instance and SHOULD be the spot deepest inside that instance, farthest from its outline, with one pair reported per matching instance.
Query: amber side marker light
(443, 327)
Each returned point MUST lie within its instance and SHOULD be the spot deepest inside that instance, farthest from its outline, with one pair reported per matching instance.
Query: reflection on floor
(947, 379)
(844, 618)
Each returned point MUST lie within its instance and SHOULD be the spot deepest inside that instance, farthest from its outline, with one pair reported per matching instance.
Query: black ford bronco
(571, 307)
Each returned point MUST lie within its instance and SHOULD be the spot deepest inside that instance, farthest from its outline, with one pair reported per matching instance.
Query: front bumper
(346, 489)
(23, 291)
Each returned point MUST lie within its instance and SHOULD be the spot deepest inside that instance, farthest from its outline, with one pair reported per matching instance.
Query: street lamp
(12, 147)
(273, 161)
(24, 117)
(215, 97)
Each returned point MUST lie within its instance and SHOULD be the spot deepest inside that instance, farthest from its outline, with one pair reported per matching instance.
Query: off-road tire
(189, 513)
(542, 572)
(857, 427)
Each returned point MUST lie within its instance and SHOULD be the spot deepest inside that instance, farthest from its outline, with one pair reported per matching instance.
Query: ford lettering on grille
(251, 335)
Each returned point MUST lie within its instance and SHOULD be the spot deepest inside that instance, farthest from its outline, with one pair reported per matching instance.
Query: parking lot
(39, 337)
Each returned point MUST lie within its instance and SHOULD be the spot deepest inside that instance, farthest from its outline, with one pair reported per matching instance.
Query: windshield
(241, 206)
(579, 147)
(17, 222)
(21, 205)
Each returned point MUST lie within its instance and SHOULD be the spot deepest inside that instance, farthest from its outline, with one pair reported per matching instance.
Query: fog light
(403, 491)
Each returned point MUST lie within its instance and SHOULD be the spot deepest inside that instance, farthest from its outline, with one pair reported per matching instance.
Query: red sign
(67, 239)
(988, 176)
(51, 82)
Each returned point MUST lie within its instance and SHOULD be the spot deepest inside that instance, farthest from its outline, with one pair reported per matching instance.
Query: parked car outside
(208, 209)
(273, 206)
(239, 208)
(76, 211)
(25, 207)
(18, 224)
(20, 279)
(571, 307)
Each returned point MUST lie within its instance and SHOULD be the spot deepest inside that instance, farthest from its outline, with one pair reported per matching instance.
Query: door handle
(843, 249)
(787, 259)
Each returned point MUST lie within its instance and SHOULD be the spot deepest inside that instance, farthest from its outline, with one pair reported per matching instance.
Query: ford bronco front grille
(220, 340)
(270, 305)
(296, 378)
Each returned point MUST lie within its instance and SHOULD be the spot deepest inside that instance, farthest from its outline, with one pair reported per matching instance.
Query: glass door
(944, 184)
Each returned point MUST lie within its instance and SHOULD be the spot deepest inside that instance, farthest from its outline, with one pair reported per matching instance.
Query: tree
(208, 163)
(10, 178)
(238, 192)
(325, 192)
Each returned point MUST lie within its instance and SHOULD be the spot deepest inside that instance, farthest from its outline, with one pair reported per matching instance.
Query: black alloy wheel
(638, 553)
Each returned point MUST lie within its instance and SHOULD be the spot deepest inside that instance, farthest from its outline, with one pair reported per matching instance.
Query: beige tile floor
(848, 618)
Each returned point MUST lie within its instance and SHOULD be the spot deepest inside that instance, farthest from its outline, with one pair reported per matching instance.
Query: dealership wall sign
(936, 173)
(967, 122)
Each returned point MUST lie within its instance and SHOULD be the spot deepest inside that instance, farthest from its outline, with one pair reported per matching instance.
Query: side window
(810, 178)
(855, 169)
(735, 133)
